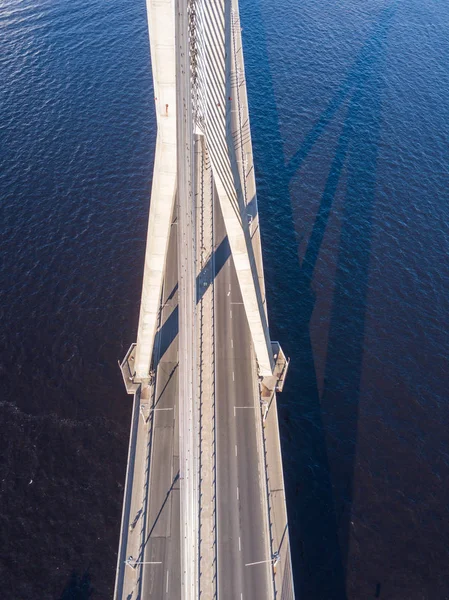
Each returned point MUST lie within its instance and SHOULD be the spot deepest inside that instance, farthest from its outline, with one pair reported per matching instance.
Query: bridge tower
(203, 134)
(219, 113)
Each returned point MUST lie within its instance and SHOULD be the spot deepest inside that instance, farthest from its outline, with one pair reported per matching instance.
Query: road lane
(162, 581)
(241, 518)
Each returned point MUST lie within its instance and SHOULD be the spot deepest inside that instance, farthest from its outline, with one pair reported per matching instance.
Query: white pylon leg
(161, 22)
(244, 262)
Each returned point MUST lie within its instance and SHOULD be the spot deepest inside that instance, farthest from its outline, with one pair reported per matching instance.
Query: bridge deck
(153, 532)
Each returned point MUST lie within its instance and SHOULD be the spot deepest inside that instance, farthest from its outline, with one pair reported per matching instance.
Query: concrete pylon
(220, 113)
(161, 23)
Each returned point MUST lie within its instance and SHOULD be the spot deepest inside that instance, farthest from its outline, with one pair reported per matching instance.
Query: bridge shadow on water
(319, 432)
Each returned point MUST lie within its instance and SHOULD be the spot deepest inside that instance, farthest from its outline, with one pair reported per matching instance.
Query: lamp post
(275, 558)
(130, 562)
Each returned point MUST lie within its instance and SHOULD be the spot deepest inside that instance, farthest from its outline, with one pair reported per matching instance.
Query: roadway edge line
(127, 494)
(263, 477)
(149, 438)
(214, 309)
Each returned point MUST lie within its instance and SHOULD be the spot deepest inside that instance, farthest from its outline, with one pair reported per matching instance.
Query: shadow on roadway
(170, 328)
(170, 489)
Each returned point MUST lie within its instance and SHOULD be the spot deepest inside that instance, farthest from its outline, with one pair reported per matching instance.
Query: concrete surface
(161, 23)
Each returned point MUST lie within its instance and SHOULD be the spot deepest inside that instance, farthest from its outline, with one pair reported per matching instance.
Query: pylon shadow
(319, 476)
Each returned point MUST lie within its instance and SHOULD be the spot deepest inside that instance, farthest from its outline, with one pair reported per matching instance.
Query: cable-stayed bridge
(204, 512)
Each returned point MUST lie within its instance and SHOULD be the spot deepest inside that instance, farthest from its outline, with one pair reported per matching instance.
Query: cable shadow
(319, 526)
(172, 294)
(169, 491)
(172, 372)
(348, 86)
(324, 209)
(141, 556)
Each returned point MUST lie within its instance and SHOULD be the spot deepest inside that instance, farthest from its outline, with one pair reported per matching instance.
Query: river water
(350, 122)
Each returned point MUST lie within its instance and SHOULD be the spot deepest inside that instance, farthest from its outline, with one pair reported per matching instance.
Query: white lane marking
(161, 408)
(252, 407)
(166, 587)
(234, 411)
(230, 312)
(240, 545)
(233, 376)
(237, 493)
(241, 595)
(232, 343)
(229, 287)
(236, 449)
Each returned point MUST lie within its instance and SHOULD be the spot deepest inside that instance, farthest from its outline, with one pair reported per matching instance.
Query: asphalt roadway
(241, 517)
(244, 569)
(161, 579)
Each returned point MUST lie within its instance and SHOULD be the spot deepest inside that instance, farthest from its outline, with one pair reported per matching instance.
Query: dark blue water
(350, 121)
